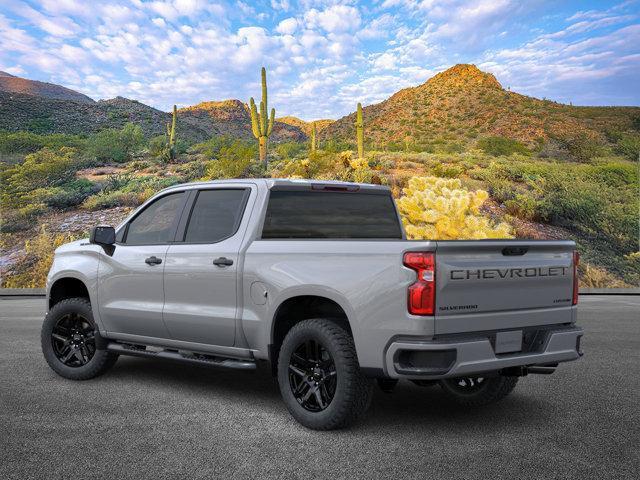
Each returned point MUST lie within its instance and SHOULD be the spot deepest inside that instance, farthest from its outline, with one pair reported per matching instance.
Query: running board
(181, 356)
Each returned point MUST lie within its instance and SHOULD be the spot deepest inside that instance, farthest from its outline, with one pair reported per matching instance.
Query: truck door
(130, 292)
(201, 271)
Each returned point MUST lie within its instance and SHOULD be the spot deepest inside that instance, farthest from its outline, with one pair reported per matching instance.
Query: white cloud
(335, 19)
(386, 61)
(164, 9)
(287, 26)
(15, 70)
(339, 51)
(56, 26)
(378, 27)
(280, 5)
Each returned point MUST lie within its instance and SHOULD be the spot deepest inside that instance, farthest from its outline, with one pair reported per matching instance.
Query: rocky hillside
(464, 103)
(305, 126)
(232, 118)
(46, 108)
(20, 111)
(12, 84)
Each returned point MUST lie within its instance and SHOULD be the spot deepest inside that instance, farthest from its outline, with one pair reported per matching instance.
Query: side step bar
(181, 356)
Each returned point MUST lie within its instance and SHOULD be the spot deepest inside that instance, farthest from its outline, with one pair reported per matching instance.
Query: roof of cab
(281, 182)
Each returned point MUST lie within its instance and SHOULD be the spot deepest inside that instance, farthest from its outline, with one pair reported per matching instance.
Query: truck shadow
(409, 406)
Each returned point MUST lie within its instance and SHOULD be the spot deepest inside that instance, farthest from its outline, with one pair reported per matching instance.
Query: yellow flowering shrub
(441, 209)
(39, 250)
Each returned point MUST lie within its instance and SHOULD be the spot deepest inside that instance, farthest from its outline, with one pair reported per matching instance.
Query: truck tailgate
(502, 284)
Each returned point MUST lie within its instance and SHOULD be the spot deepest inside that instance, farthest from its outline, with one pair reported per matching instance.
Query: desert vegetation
(454, 174)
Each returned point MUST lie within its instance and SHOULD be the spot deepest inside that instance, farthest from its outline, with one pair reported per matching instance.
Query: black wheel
(477, 391)
(319, 376)
(69, 341)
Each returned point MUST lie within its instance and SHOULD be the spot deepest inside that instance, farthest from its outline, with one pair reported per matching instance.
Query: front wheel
(478, 391)
(319, 376)
(69, 341)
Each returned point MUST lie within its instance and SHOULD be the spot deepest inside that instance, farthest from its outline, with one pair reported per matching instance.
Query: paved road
(148, 419)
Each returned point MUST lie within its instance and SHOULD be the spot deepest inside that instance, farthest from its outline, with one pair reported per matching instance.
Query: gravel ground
(147, 419)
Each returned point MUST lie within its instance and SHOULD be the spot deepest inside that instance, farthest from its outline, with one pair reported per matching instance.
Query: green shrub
(39, 252)
(523, 206)
(157, 145)
(597, 201)
(629, 146)
(498, 146)
(15, 220)
(68, 195)
(211, 148)
(113, 199)
(582, 146)
(40, 125)
(447, 171)
(116, 145)
(191, 171)
(45, 168)
(28, 142)
(232, 161)
(289, 150)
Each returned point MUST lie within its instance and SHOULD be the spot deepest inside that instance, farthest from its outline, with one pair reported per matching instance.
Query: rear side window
(304, 214)
(155, 224)
(215, 216)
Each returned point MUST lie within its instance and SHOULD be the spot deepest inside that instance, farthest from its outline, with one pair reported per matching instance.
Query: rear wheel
(319, 376)
(69, 344)
(478, 391)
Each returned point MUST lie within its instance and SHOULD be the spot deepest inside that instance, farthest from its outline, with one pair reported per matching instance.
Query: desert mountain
(305, 126)
(463, 103)
(232, 117)
(12, 84)
(47, 108)
(20, 111)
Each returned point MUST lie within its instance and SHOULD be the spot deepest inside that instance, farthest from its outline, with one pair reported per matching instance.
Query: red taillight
(576, 260)
(422, 294)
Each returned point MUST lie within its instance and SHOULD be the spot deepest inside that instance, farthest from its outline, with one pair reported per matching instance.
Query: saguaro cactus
(260, 124)
(314, 138)
(360, 132)
(171, 136)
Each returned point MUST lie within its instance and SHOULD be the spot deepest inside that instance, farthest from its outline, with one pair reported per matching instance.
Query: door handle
(223, 262)
(153, 261)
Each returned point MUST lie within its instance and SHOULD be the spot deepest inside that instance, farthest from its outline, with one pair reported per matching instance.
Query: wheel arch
(301, 307)
(67, 287)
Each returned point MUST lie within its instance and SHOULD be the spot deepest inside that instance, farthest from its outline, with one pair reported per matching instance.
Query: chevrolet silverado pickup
(317, 280)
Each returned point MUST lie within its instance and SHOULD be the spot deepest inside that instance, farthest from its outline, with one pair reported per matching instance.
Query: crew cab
(318, 280)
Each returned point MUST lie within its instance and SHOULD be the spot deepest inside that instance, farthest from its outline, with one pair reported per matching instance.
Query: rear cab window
(216, 215)
(331, 215)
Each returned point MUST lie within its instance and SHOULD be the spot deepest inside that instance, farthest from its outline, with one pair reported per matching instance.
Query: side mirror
(103, 235)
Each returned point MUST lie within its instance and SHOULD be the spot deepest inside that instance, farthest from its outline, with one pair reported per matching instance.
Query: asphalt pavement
(154, 419)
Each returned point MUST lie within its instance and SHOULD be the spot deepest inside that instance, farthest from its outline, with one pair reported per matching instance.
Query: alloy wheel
(312, 376)
(73, 340)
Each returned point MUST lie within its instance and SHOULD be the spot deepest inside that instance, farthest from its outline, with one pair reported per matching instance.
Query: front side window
(215, 216)
(154, 225)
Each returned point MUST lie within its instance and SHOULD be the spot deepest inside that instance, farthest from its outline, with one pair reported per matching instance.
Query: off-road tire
(101, 360)
(493, 389)
(353, 391)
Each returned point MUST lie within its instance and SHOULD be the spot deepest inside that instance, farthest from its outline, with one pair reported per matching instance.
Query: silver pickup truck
(318, 280)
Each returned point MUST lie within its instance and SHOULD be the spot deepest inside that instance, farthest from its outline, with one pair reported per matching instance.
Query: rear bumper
(416, 359)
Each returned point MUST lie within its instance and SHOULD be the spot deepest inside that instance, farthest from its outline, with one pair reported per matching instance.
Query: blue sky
(322, 56)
